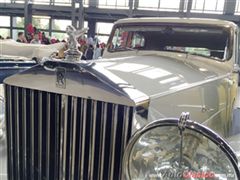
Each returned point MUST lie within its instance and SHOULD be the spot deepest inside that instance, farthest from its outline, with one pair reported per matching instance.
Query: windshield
(204, 41)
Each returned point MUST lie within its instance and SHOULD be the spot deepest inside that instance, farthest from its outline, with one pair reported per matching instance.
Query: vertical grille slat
(102, 140)
(40, 119)
(73, 138)
(82, 139)
(9, 132)
(92, 139)
(32, 134)
(48, 127)
(57, 136)
(16, 122)
(124, 133)
(60, 137)
(113, 139)
(24, 135)
(63, 138)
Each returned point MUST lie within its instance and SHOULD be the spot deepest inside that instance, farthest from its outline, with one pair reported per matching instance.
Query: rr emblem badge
(61, 77)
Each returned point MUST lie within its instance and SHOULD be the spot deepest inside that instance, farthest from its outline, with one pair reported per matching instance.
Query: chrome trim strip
(73, 138)
(124, 135)
(16, 112)
(9, 90)
(83, 135)
(32, 133)
(69, 170)
(102, 140)
(63, 138)
(125, 127)
(113, 139)
(92, 139)
(48, 127)
(40, 136)
(57, 121)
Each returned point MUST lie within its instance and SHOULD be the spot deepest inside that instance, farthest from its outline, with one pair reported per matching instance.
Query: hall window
(41, 22)
(5, 1)
(85, 3)
(5, 21)
(59, 36)
(162, 5)
(63, 2)
(117, 4)
(206, 6)
(4, 32)
(103, 28)
(237, 7)
(18, 22)
(60, 24)
(18, 1)
(41, 2)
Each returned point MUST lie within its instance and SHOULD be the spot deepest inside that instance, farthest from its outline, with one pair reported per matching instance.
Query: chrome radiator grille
(59, 137)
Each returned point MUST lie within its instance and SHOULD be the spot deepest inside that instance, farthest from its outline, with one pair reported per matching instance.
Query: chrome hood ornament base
(73, 54)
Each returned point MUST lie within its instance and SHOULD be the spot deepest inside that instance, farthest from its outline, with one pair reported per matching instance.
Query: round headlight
(167, 149)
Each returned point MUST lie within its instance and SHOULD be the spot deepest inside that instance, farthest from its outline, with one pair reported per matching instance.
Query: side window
(119, 39)
(124, 40)
(138, 41)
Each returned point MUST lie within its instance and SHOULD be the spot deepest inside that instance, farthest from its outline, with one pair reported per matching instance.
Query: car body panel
(177, 82)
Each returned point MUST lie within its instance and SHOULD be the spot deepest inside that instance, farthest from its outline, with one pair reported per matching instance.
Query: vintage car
(116, 118)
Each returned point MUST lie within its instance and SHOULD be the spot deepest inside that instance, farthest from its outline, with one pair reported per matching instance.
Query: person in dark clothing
(21, 38)
(89, 53)
(45, 39)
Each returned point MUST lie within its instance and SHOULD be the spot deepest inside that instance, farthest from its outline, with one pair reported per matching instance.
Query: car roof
(196, 21)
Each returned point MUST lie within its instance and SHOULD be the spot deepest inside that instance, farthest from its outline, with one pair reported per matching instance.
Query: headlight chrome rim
(191, 125)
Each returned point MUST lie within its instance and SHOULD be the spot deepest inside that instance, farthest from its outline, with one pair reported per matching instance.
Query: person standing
(35, 39)
(45, 39)
(97, 52)
(89, 52)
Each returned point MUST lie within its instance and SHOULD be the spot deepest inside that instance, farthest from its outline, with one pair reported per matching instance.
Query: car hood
(157, 74)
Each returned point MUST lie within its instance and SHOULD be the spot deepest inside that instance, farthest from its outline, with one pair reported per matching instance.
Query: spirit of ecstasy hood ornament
(73, 54)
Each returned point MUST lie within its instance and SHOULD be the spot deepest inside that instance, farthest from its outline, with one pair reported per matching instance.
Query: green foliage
(4, 32)
(40, 23)
(19, 22)
(59, 36)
